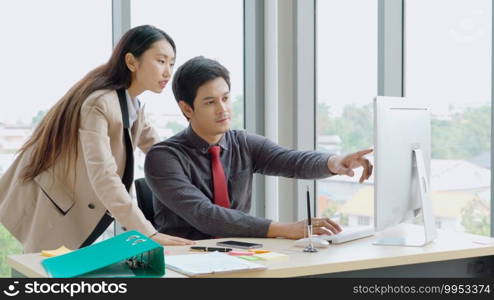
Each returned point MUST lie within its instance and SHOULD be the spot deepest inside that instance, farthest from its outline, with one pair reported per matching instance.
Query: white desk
(350, 256)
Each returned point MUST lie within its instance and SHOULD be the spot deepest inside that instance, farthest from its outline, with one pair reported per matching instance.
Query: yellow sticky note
(271, 255)
(258, 251)
(59, 251)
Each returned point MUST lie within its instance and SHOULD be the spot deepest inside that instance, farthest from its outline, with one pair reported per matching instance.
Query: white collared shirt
(133, 105)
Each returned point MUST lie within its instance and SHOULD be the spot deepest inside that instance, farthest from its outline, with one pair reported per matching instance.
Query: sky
(447, 52)
(53, 44)
(44, 51)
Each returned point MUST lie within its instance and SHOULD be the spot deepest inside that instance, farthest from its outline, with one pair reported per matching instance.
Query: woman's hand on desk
(169, 240)
(298, 229)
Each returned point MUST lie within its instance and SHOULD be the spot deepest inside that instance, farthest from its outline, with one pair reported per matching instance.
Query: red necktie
(219, 182)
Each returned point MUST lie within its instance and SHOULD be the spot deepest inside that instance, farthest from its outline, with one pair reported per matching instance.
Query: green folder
(130, 254)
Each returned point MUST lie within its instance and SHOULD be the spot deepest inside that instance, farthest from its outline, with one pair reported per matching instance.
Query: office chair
(145, 198)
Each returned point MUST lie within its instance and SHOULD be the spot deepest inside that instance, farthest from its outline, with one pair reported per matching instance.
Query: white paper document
(209, 263)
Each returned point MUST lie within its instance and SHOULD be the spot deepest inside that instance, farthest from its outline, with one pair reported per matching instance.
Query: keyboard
(349, 234)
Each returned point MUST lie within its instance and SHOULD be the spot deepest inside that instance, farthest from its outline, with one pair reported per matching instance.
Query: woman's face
(153, 70)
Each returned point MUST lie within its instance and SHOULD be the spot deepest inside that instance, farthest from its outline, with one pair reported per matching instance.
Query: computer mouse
(316, 242)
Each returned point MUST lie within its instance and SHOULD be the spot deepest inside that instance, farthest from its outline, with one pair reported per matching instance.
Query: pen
(310, 248)
(308, 208)
(210, 249)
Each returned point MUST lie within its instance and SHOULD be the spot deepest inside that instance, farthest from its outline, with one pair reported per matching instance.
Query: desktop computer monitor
(402, 151)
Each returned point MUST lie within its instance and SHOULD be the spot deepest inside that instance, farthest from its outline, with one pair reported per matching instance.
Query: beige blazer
(55, 209)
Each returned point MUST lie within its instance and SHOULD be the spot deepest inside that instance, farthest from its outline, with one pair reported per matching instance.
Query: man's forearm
(277, 229)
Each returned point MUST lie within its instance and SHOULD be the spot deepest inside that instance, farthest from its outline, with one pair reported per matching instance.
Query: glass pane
(346, 86)
(213, 29)
(448, 63)
(47, 47)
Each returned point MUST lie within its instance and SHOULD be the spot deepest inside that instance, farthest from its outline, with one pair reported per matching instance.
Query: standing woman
(71, 178)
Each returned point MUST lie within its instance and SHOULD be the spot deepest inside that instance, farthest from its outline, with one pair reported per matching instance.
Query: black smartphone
(237, 244)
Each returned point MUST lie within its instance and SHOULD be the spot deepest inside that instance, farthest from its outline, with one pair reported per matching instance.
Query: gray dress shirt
(178, 172)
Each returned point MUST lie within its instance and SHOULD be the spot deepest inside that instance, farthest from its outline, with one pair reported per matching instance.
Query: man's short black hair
(193, 74)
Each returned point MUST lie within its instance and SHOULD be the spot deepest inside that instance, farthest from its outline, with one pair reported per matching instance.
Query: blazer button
(91, 206)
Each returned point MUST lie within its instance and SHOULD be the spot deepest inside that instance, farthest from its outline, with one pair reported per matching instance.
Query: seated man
(202, 177)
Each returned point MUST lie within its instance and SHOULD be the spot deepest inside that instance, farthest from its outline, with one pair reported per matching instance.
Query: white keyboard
(349, 234)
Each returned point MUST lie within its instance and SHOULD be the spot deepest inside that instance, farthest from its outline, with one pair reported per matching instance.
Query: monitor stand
(397, 236)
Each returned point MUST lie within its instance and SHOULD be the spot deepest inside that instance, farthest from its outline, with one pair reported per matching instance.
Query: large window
(347, 37)
(448, 63)
(47, 46)
(213, 29)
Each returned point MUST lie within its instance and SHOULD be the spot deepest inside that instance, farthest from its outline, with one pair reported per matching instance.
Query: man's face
(212, 108)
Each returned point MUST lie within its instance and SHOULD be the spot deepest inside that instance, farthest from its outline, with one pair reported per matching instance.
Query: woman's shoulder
(100, 98)
(103, 102)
